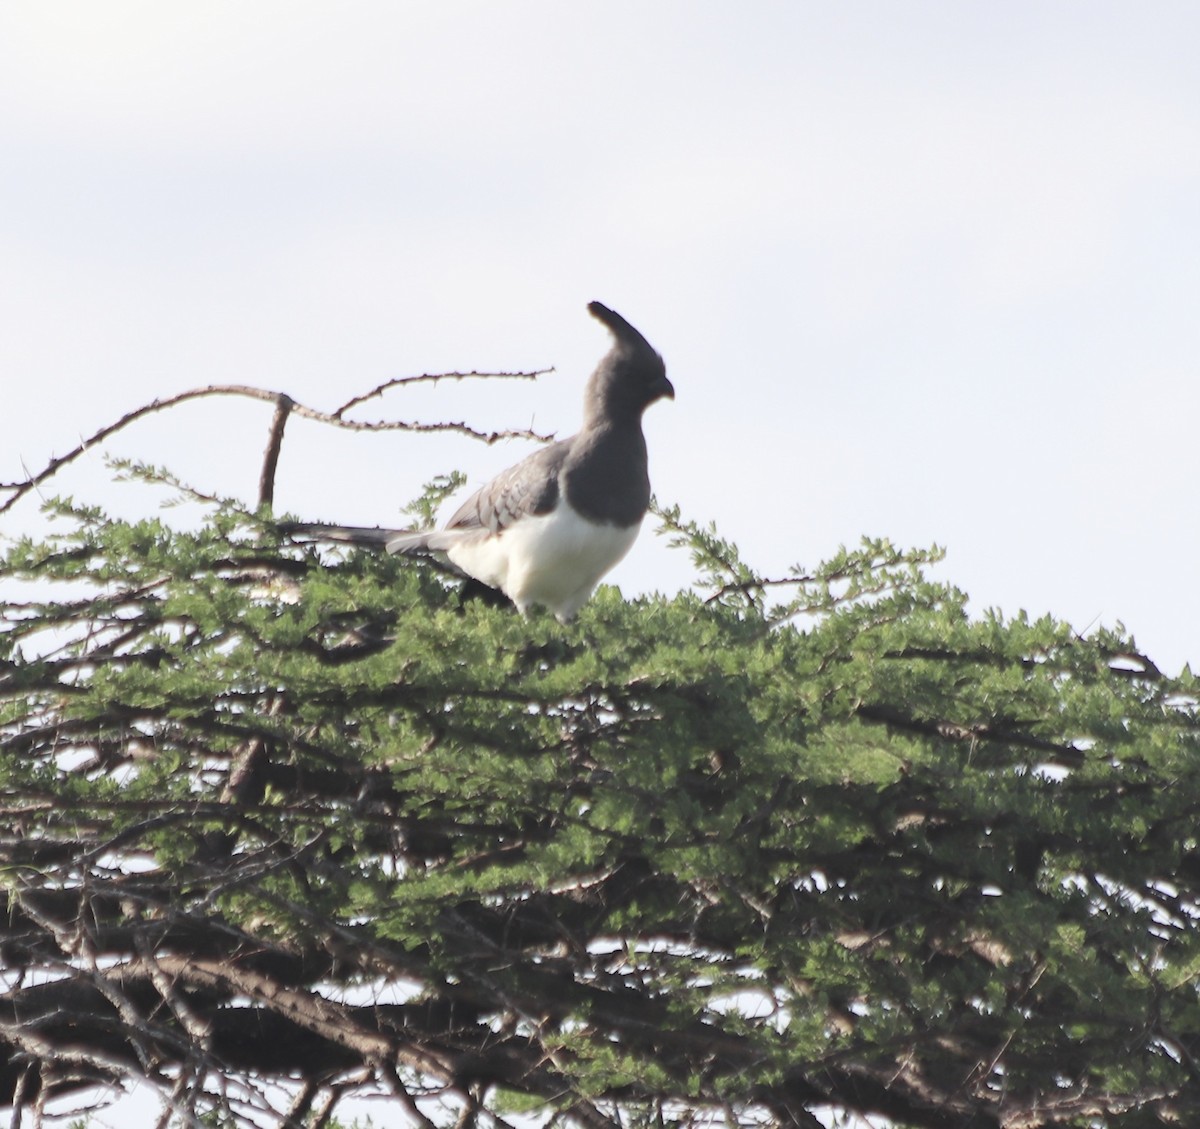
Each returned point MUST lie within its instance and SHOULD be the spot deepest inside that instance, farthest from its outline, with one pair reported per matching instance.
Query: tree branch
(432, 377)
(18, 490)
(266, 482)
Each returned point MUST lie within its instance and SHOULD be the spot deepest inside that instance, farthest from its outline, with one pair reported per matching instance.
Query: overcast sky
(922, 270)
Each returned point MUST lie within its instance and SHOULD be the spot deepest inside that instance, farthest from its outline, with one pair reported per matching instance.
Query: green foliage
(820, 840)
(423, 509)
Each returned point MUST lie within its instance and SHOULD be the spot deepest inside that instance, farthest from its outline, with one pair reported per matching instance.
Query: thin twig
(429, 377)
(746, 587)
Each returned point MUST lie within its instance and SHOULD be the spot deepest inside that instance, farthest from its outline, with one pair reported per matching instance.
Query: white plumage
(554, 560)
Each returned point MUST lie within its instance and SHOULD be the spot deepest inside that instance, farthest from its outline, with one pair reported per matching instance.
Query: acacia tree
(284, 823)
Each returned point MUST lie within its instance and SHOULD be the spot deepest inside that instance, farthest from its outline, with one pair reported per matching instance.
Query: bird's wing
(525, 489)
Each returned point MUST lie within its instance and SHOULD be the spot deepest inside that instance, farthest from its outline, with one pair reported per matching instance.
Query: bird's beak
(666, 388)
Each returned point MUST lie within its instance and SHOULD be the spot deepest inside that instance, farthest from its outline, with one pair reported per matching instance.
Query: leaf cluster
(276, 812)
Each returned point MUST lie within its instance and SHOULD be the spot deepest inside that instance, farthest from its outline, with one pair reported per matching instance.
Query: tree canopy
(284, 823)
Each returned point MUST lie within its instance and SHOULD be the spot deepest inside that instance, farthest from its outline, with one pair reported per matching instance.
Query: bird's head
(631, 376)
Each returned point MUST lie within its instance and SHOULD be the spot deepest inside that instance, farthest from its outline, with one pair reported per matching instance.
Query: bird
(546, 530)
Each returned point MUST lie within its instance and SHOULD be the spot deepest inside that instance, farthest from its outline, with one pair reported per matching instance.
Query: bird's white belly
(553, 559)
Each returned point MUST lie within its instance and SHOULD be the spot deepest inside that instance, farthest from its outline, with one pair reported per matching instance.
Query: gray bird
(547, 529)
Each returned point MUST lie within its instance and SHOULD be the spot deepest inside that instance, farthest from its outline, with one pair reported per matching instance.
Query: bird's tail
(405, 541)
(368, 536)
(343, 534)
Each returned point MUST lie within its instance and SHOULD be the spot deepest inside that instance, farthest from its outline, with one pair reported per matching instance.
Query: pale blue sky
(921, 270)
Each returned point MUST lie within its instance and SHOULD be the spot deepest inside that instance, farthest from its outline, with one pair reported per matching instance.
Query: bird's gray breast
(606, 478)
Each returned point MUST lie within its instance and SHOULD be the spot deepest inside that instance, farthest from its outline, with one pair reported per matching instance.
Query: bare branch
(266, 482)
(19, 489)
(392, 1077)
(432, 377)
